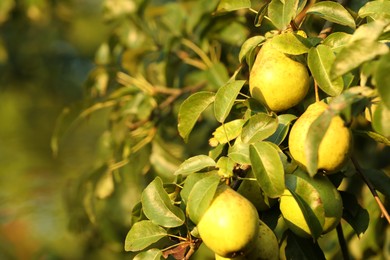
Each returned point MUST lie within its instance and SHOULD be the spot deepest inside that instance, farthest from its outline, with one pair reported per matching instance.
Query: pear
(335, 146)
(229, 227)
(276, 80)
(266, 247)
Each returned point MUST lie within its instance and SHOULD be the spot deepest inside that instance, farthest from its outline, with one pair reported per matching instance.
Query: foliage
(173, 78)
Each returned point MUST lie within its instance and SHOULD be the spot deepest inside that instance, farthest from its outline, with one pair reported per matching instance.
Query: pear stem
(316, 91)
(359, 171)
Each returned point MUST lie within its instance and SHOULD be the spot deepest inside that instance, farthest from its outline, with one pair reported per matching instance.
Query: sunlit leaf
(227, 132)
(381, 120)
(376, 10)
(320, 61)
(284, 121)
(282, 12)
(158, 207)
(259, 127)
(224, 99)
(314, 137)
(249, 45)
(195, 164)
(239, 153)
(333, 12)
(201, 196)
(151, 254)
(190, 111)
(382, 79)
(225, 167)
(337, 40)
(309, 201)
(232, 5)
(268, 168)
(291, 43)
(142, 234)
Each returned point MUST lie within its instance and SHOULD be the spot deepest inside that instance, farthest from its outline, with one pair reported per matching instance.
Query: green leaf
(227, 132)
(268, 168)
(291, 43)
(260, 15)
(201, 196)
(333, 12)
(280, 134)
(379, 180)
(225, 167)
(309, 202)
(259, 127)
(224, 99)
(249, 45)
(373, 135)
(314, 137)
(151, 254)
(354, 214)
(158, 207)
(195, 164)
(353, 55)
(382, 79)
(142, 234)
(232, 5)
(320, 60)
(239, 152)
(282, 12)
(337, 40)
(302, 248)
(370, 31)
(381, 120)
(376, 10)
(190, 111)
(217, 75)
(190, 181)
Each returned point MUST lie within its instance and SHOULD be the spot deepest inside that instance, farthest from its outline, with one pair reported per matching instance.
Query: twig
(343, 244)
(359, 171)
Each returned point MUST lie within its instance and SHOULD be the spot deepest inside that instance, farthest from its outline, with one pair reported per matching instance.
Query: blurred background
(46, 53)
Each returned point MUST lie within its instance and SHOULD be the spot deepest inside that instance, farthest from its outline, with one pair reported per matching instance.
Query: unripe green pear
(266, 247)
(335, 146)
(229, 227)
(276, 80)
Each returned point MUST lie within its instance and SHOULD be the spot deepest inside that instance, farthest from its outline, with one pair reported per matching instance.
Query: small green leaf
(382, 79)
(142, 234)
(249, 45)
(280, 134)
(232, 5)
(314, 137)
(201, 196)
(337, 40)
(282, 12)
(375, 10)
(260, 15)
(151, 254)
(190, 181)
(354, 214)
(309, 201)
(224, 99)
(158, 207)
(291, 43)
(194, 164)
(320, 60)
(190, 111)
(239, 153)
(259, 127)
(268, 168)
(333, 12)
(302, 248)
(227, 132)
(381, 120)
(225, 167)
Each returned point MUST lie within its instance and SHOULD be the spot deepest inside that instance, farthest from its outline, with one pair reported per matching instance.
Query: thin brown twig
(359, 171)
(342, 242)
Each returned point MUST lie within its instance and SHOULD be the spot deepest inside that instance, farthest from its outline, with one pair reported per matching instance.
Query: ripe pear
(276, 80)
(267, 246)
(329, 197)
(229, 227)
(335, 146)
(251, 190)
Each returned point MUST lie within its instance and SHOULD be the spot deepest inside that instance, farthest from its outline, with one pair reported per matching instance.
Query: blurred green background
(46, 53)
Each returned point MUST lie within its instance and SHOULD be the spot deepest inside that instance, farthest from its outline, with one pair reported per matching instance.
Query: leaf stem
(359, 171)
(342, 242)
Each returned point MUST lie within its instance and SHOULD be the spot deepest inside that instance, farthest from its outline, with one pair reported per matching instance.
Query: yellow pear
(251, 190)
(335, 146)
(329, 197)
(276, 80)
(266, 247)
(229, 227)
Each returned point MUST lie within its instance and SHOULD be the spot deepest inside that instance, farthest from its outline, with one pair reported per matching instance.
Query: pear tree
(241, 129)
